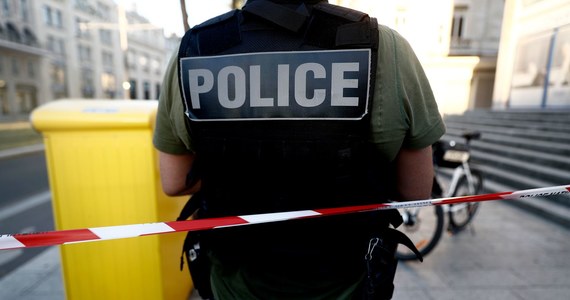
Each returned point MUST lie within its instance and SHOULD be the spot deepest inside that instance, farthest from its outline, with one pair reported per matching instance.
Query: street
(22, 177)
(25, 204)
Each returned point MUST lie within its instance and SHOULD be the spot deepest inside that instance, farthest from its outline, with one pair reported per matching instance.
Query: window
(87, 86)
(6, 8)
(56, 45)
(26, 97)
(13, 34)
(146, 90)
(133, 89)
(131, 60)
(58, 80)
(82, 29)
(58, 19)
(4, 100)
(143, 62)
(52, 17)
(60, 46)
(458, 27)
(104, 11)
(84, 53)
(107, 59)
(106, 37)
(155, 65)
(50, 42)
(29, 38)
(24, 10)
(401, 18)
(47, 15)
(31, 69)
(15, 67)
(108, 84)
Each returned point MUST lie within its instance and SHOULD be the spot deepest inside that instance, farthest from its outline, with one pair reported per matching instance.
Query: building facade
(534, 59)
(53, 49)
(21, 56)
(457, 42)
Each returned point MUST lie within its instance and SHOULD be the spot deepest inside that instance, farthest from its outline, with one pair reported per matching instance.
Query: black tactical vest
(278, 104)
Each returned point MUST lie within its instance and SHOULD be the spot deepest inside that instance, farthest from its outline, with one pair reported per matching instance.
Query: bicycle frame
(463, 170)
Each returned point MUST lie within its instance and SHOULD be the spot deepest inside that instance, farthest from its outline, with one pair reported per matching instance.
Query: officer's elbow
(173, 173)
(172, 189)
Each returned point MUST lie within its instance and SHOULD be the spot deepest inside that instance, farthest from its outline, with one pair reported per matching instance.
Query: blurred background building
(457, 42)
(533, 69)
(52, 49)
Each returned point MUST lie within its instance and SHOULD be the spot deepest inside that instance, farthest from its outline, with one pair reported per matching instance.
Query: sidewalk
(512, 255)
(39, 279)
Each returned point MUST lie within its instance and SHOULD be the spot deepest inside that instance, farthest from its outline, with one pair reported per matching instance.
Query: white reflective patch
(196, 88)
(274, 217)
(301, 75)
(339, 83)
(115, 232)
(291, 85)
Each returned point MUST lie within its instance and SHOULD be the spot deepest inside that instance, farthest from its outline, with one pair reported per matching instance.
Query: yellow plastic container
(103, 171)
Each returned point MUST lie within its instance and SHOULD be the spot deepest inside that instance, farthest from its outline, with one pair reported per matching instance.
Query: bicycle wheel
(424, 227)
(461, 214)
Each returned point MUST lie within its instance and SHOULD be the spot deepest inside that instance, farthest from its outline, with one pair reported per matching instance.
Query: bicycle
(425, 225)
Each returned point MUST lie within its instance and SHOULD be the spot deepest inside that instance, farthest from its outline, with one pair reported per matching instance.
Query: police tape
(61, 237)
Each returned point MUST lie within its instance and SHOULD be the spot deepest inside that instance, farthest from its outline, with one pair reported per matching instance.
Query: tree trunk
(237, 3)
(185, 15)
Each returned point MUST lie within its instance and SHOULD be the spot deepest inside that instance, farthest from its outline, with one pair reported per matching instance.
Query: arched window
(30, 38)
(12, 33)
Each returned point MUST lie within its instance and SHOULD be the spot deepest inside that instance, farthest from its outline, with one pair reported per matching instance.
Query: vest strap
(277, 14)
(212, 37)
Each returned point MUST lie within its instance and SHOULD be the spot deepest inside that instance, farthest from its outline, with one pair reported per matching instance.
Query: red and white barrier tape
(51, 238)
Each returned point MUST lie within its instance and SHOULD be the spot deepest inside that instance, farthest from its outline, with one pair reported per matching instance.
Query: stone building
(533, 70)
(52, 49)
(457, 42)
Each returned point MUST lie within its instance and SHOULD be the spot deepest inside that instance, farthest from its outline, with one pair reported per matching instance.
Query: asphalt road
(22, 177)
(25, 204)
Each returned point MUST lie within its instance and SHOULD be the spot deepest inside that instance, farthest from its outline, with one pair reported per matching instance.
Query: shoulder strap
(211, 37)
(333, 26)
(279, 15)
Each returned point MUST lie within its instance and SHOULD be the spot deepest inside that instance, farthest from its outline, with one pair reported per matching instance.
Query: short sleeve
(404, 112)
(419, 104)
(170, 134)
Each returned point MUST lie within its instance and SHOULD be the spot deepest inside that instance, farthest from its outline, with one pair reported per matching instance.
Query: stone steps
(520, 150)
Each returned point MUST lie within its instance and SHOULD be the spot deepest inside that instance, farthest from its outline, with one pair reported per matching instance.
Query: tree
(185, 15)
(237, 3)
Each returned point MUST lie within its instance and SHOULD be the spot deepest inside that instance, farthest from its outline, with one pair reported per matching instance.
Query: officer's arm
(414, 173)
(173, 171)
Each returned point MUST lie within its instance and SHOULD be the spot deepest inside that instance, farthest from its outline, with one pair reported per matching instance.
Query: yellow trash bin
(103, 171)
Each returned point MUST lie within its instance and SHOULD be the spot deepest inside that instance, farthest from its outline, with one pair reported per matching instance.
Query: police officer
(297, 104)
